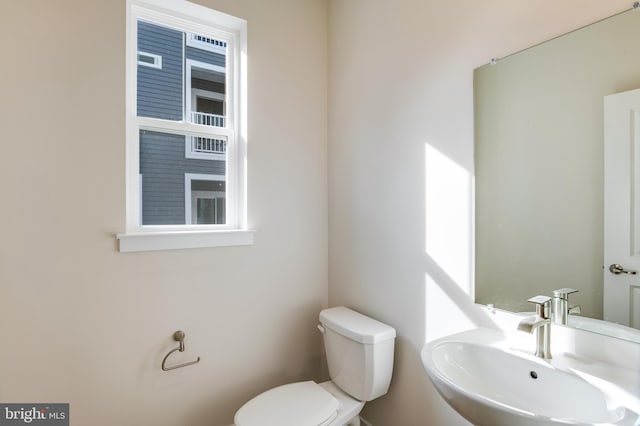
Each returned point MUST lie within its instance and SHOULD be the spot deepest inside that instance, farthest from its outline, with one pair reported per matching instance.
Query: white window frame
(157, 60)
(189, 18)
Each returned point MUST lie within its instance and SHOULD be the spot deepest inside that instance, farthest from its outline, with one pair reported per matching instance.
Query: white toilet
(360, 358)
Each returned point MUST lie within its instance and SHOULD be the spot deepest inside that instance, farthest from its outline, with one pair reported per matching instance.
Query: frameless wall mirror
(539, 167)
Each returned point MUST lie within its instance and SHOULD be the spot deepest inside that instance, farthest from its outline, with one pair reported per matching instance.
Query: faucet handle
(539, 300)
(543, 305)
(563, 293)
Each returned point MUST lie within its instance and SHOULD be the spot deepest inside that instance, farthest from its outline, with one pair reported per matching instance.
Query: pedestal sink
(491, 384)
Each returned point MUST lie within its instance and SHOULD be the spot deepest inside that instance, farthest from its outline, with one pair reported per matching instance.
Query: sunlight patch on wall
(449, 289)
(449, 217)
(444, 313)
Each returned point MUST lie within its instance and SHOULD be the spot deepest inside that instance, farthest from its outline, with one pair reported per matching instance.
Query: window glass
(190, 87)
(171, 184)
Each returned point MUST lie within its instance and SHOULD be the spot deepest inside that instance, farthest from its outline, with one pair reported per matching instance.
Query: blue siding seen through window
(160, 91)
(163, 167)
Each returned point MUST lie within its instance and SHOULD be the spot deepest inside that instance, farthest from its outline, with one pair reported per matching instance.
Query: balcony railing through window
(208, 145)
(207, 119)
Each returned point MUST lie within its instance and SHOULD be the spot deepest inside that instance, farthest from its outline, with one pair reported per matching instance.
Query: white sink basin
(491, 384)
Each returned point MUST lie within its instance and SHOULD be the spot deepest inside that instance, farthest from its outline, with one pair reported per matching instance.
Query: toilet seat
(294, 404)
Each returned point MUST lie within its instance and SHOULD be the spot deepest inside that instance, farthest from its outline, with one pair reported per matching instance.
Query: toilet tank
(359, 352)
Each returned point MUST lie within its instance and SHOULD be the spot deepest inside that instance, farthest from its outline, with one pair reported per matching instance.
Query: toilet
(359, 354)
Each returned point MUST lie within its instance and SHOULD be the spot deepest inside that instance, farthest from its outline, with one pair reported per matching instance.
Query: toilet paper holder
(178, 336)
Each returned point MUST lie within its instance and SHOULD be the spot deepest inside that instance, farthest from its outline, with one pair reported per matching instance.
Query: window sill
(165, 240)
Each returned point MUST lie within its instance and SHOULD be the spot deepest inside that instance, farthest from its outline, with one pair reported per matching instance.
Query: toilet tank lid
(356, 326)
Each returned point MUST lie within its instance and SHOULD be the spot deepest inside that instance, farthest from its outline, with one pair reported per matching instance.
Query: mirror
(539, 164)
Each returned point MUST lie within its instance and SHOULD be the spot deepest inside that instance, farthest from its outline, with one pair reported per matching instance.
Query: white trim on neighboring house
(205, 119)
(191, 94)
(205, 94)
(195, 93)
(140, 180)
(205, 195)
(192, 151)
(189, 149)
(156, 60)
(206, 43)
(188, 202)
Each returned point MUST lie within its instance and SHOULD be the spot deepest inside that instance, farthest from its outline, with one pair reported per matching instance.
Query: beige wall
(401, 166)
(539, 164)
(84, 324)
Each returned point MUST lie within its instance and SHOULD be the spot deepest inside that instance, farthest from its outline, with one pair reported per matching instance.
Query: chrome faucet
(540, 324)
(560, 311)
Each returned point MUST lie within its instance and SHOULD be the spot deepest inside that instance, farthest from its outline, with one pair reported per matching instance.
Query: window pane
(190, 84)
(206, 60)
(177, 189)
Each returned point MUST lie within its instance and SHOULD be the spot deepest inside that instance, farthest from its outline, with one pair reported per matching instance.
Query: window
(150, 60)
(186, 127)
(204, 199)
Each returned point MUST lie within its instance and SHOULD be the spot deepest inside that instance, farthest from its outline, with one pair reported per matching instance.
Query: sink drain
(533, 374)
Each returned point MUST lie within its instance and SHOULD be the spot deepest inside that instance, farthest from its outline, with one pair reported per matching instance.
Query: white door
(622, 208)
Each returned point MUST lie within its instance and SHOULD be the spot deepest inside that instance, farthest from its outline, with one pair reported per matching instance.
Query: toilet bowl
(359, 353)
(302, 404)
